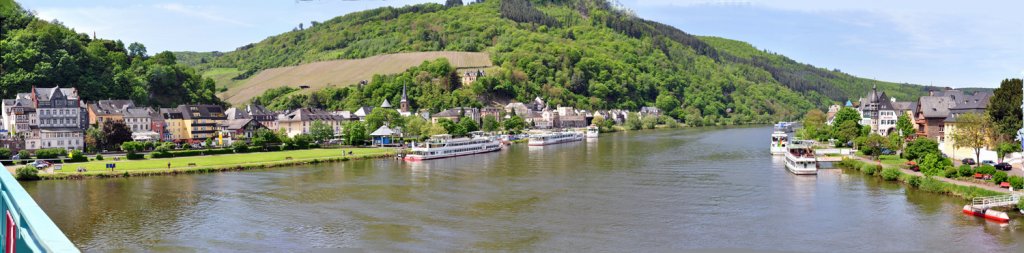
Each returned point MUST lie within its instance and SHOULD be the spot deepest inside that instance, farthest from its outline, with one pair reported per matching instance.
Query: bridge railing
(25, 227)
(982, 201)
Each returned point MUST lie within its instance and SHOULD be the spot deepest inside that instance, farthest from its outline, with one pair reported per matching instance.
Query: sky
(939, 42)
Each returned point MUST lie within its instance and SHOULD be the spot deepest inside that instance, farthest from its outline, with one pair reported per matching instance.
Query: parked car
(968, 161)
(1004, 166)
(886, 151)
(40, 164)
(988, 162)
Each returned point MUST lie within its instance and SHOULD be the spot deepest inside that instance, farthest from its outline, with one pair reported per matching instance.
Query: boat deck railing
(26, 228)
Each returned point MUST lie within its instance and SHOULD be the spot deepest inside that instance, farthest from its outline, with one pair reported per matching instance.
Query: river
(661, 190)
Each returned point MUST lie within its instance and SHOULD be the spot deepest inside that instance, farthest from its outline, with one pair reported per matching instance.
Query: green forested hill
(581, 53)
(46, 54)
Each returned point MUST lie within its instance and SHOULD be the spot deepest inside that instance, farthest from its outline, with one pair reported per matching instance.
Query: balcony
(33, 231)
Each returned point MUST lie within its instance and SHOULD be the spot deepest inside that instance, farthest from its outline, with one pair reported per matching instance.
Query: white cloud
(197, 12)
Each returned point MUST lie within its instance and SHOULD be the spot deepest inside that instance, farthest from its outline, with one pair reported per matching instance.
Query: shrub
(965, 171)
(99, 157)
(77, 156)
(950, 172)
(27, 173)
(1017, 182)
(921, 147)
(914, 181)
(930, 184)
(891, 174)
(24, 154)
(51, 153)
(999, 177)
(135, 156)
(870, 169)
(240, 147)
(5, 153)
(986, 169)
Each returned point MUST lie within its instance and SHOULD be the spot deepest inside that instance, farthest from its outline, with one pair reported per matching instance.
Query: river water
(662, 190)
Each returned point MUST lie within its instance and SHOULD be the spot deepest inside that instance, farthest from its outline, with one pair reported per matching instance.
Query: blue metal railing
(33, 229)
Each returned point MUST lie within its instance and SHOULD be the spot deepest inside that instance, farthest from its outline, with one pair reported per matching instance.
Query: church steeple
(404, 104)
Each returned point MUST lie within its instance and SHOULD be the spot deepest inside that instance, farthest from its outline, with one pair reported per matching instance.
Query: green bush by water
(27, 173)
(891, 174)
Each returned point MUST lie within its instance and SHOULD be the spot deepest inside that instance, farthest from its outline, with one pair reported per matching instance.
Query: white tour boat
(800, 158)
(779, 140)
(444, 147)
(593, 131)
(555, 138)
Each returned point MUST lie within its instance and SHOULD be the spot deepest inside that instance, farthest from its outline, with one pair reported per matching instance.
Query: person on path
(168, 165)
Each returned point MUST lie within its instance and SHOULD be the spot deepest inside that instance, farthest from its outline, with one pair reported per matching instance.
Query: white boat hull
(801, 165)
(778, 150)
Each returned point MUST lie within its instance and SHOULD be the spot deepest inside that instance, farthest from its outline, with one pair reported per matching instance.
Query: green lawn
(892, 160)
(214, 161)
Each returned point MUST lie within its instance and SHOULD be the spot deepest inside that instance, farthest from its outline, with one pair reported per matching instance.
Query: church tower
(403, 106)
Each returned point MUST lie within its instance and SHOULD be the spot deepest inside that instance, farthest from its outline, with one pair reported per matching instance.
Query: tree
(1004, 109)
(895, 143)
(973, 131)
(94, 138)
(667, 102)
(136, 50)
(490, 123)
(921, 147)
(355, 133)
(649, 121)
(1005, 148)
(469, 124)
(321, 132)
(846, 114)
(302, 141)
(436, 129)
(452, 128)
(208, 143)
(904, 126)
(415, 126)
(115, 133)
(846, 132)
(514, 124)
(381, 116)
(633, 121)
(132, 147)
(873, 145)
(452, 3)
(814, 124)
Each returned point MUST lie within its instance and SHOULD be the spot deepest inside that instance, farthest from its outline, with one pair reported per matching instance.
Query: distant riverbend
(662, 190)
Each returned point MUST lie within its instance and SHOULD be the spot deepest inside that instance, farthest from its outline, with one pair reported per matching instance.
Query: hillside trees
(41, 53)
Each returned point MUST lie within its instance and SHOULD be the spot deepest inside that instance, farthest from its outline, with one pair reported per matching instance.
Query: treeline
(47, 54)
(428, 87)
(523, 11)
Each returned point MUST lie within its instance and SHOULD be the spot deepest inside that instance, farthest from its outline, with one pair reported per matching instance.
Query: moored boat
(800, 158)
(779, 140)
(443, 147)
(990, 214)
(593, 131)
(555, 138)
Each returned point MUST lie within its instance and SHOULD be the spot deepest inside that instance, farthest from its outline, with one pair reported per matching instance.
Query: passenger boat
(779, 140)
(555, 138)
(800, 158)
(443, 147)
(593, 131)
(990, 214)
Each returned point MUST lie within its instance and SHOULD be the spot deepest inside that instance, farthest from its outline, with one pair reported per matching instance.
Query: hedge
(51, 153)
(185, 153)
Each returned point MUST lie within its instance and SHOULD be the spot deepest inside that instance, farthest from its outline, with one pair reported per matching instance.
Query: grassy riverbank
(891, 172)
(202, 164)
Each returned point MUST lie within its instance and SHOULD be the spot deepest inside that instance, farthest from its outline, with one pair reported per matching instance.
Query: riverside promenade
(985, 186)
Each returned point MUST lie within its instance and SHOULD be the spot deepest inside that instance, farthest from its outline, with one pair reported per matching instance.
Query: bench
(191, 164)
(288, 158)
(1004, 185)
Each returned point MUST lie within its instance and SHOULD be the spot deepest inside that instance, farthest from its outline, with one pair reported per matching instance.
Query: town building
(299, 121)
(108, 110)
(200, 121)
(174, 125)
(471, 76)
(239, 129)
(976, 103)
(62, 119)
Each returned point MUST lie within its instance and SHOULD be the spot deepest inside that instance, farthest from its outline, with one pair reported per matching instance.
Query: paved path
(987, 186)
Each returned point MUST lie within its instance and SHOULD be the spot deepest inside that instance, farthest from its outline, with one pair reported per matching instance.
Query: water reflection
(638, 191)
